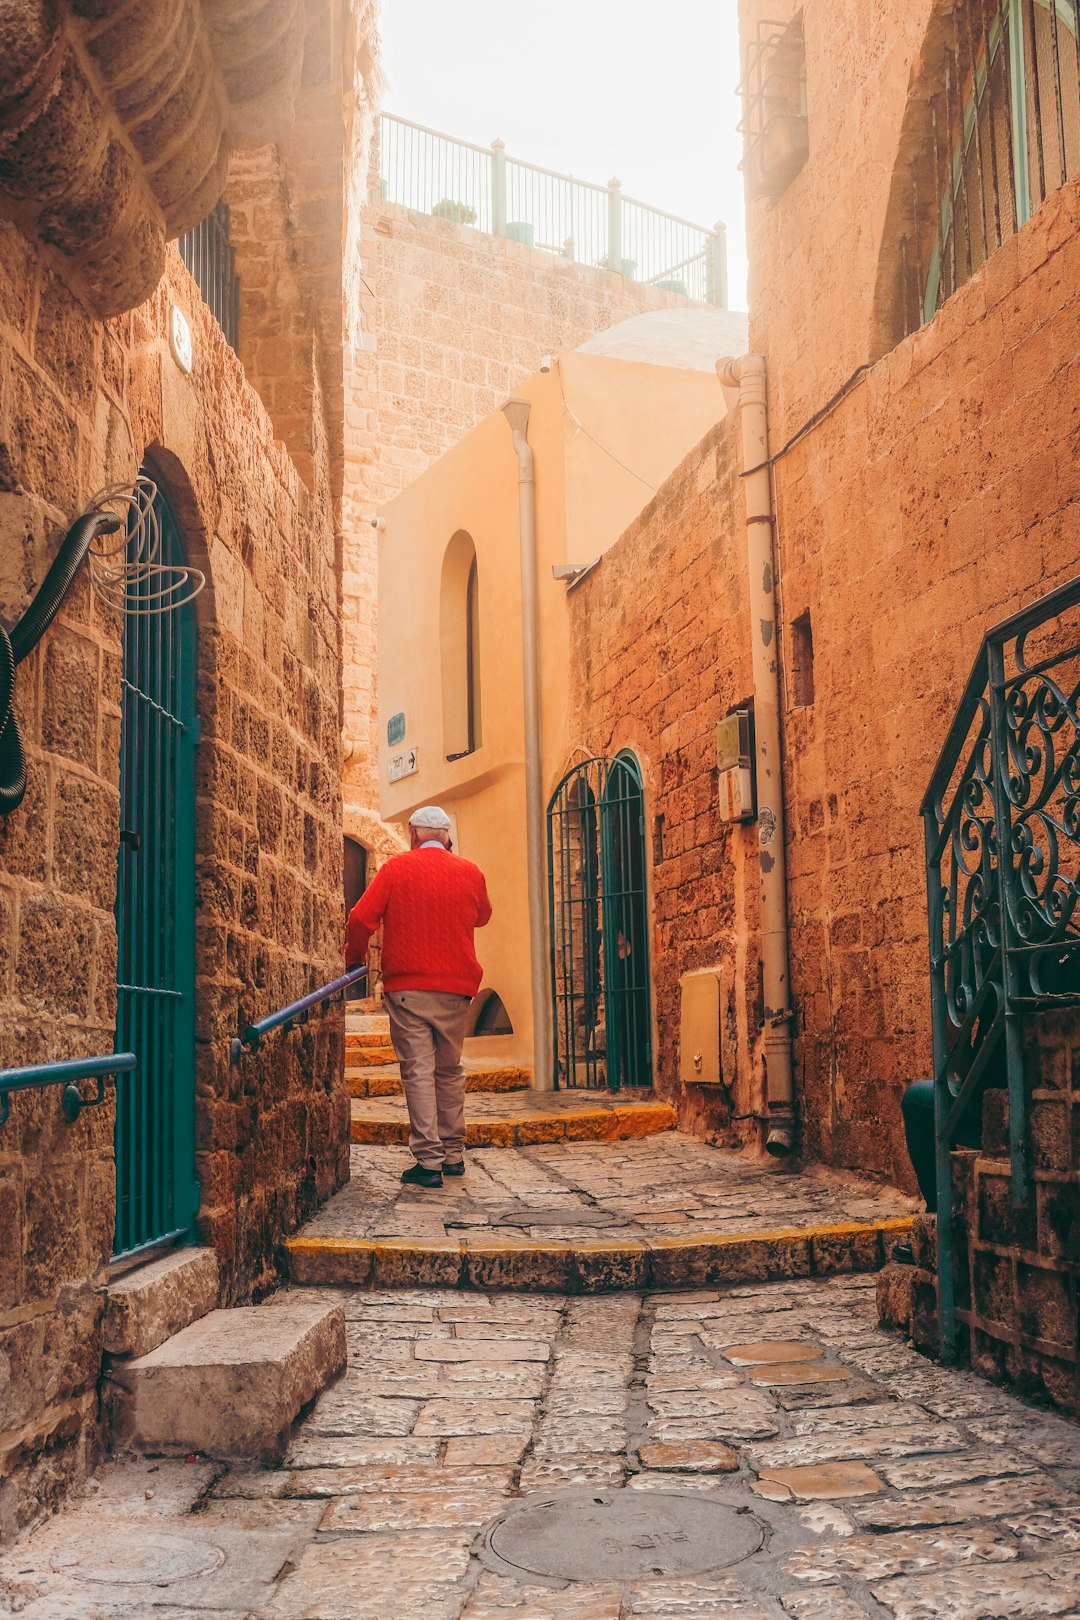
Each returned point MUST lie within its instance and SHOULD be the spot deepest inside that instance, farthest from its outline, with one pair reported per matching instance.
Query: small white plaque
(180, 340)
(400, 765)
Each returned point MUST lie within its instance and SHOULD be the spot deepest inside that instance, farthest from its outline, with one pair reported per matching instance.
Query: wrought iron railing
(208, 252)
(67, 1074)
(591, 224)
(297, 1012)
(1002, 827)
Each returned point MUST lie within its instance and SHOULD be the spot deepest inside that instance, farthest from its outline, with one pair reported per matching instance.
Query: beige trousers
(427, 1028)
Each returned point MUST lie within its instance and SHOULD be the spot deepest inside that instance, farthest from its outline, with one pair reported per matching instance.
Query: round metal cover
(153, 1559)
(623, 1535)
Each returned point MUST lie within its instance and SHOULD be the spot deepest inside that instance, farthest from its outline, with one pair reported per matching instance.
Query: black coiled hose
(25, 637)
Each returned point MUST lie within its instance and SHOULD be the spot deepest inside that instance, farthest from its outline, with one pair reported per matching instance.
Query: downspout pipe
(516, 412)
(748, 375)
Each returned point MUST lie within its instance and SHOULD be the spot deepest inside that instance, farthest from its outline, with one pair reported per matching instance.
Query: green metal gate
(156, 1190)
(599, 926)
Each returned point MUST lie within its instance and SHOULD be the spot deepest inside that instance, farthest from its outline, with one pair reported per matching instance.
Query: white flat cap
(429, 815)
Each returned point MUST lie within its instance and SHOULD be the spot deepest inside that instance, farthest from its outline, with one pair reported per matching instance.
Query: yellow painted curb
(581, 1125)
(490, 1261)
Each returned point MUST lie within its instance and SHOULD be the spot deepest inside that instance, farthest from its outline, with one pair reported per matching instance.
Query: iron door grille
(156, 1191)
(600, 981)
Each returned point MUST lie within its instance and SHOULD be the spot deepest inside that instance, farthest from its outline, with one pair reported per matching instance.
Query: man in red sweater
(428, 901)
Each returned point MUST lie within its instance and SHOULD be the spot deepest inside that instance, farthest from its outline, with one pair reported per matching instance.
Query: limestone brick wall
(939, 496)
(657, 659)
(452, 319)
(81, 403)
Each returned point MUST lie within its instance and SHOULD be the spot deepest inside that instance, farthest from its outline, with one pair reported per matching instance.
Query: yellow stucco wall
(605, 434)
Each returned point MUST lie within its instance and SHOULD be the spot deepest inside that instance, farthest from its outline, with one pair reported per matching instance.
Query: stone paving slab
(519, 1118)
(581, 1217)
(901, 1508)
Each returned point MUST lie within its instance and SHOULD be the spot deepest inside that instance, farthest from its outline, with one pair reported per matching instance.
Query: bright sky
(594, 88)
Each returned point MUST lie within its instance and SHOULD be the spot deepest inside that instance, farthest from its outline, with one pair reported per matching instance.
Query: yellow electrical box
(700, 1028)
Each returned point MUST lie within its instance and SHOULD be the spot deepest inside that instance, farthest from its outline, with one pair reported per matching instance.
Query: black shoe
(455, 1169)
(421, 1176)
(903, 1254)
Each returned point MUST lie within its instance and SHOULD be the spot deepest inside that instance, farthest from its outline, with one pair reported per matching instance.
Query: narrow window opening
(802, 661)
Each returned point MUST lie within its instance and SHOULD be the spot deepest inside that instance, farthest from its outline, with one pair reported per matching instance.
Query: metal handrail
(297, 1012)
(1002, 846)
(67, 1074)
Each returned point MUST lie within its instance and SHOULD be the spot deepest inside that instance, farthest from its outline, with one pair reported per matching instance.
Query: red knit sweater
(428, 901)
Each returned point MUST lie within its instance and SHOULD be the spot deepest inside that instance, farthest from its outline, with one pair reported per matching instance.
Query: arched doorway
(156, 1191)
(599, 926)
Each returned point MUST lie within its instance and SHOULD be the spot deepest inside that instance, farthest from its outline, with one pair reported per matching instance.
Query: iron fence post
(498, 188)
(716, 283)
(942, 1096)
(614, 224)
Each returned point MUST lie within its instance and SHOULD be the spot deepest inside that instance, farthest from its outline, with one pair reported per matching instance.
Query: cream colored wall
(605, 433)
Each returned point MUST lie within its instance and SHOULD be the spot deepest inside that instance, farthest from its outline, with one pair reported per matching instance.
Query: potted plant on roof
(458, 213)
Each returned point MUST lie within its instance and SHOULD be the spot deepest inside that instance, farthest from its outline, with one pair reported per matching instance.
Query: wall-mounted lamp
(377, 522)
(570, 573)
(548, 361)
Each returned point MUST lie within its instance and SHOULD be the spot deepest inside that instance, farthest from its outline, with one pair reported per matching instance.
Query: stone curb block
(584, 1125)
(593, 1267)
(360, 1083)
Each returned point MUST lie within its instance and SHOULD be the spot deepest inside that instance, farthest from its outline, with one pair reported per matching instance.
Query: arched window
(459, 636)
(1000, 131)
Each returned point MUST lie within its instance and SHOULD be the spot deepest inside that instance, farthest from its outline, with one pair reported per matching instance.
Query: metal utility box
(735, 763)
(700, 1028)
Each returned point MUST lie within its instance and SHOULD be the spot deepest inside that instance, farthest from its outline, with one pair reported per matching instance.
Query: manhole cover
(622, 1535)
(150, 1560)
(557, 1217)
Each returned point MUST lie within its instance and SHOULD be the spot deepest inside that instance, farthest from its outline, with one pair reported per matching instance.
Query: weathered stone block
(150, 1304)
(231, 1384)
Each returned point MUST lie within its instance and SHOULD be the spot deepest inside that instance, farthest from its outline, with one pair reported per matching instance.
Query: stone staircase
(575, 1192)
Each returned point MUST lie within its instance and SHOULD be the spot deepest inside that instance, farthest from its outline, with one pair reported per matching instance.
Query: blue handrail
(67, 1074)
(297, 1012)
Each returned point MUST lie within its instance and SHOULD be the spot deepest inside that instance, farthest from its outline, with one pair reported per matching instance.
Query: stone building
(907, 442)
(175, 866)
(921, 390)
(453, 316)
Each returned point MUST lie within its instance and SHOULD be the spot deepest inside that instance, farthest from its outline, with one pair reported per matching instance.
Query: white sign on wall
(180, 340)
(400, 765)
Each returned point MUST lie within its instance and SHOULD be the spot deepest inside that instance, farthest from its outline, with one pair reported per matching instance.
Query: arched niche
(459, 647)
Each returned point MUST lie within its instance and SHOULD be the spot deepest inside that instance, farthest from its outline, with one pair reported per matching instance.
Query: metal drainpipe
(748, 375)
(516, 412)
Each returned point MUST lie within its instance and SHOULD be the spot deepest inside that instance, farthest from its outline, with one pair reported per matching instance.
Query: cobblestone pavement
(870, 1481)
(575, 1190)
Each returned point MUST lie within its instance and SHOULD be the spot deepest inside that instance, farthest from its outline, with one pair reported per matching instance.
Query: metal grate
(1002, 131)
(208, 252)
(599, 926)
(156, 1193)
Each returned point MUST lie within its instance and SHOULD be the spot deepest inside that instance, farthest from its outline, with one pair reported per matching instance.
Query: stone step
(358, 1023)
(231, 1384)
(384, 1080)
(524, 1119)
(146, 1306)
(367, 1050)
(584, 1266)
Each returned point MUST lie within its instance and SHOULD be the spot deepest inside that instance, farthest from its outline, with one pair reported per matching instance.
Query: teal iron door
(156, 1190)
(600, 981)
(626, 923)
